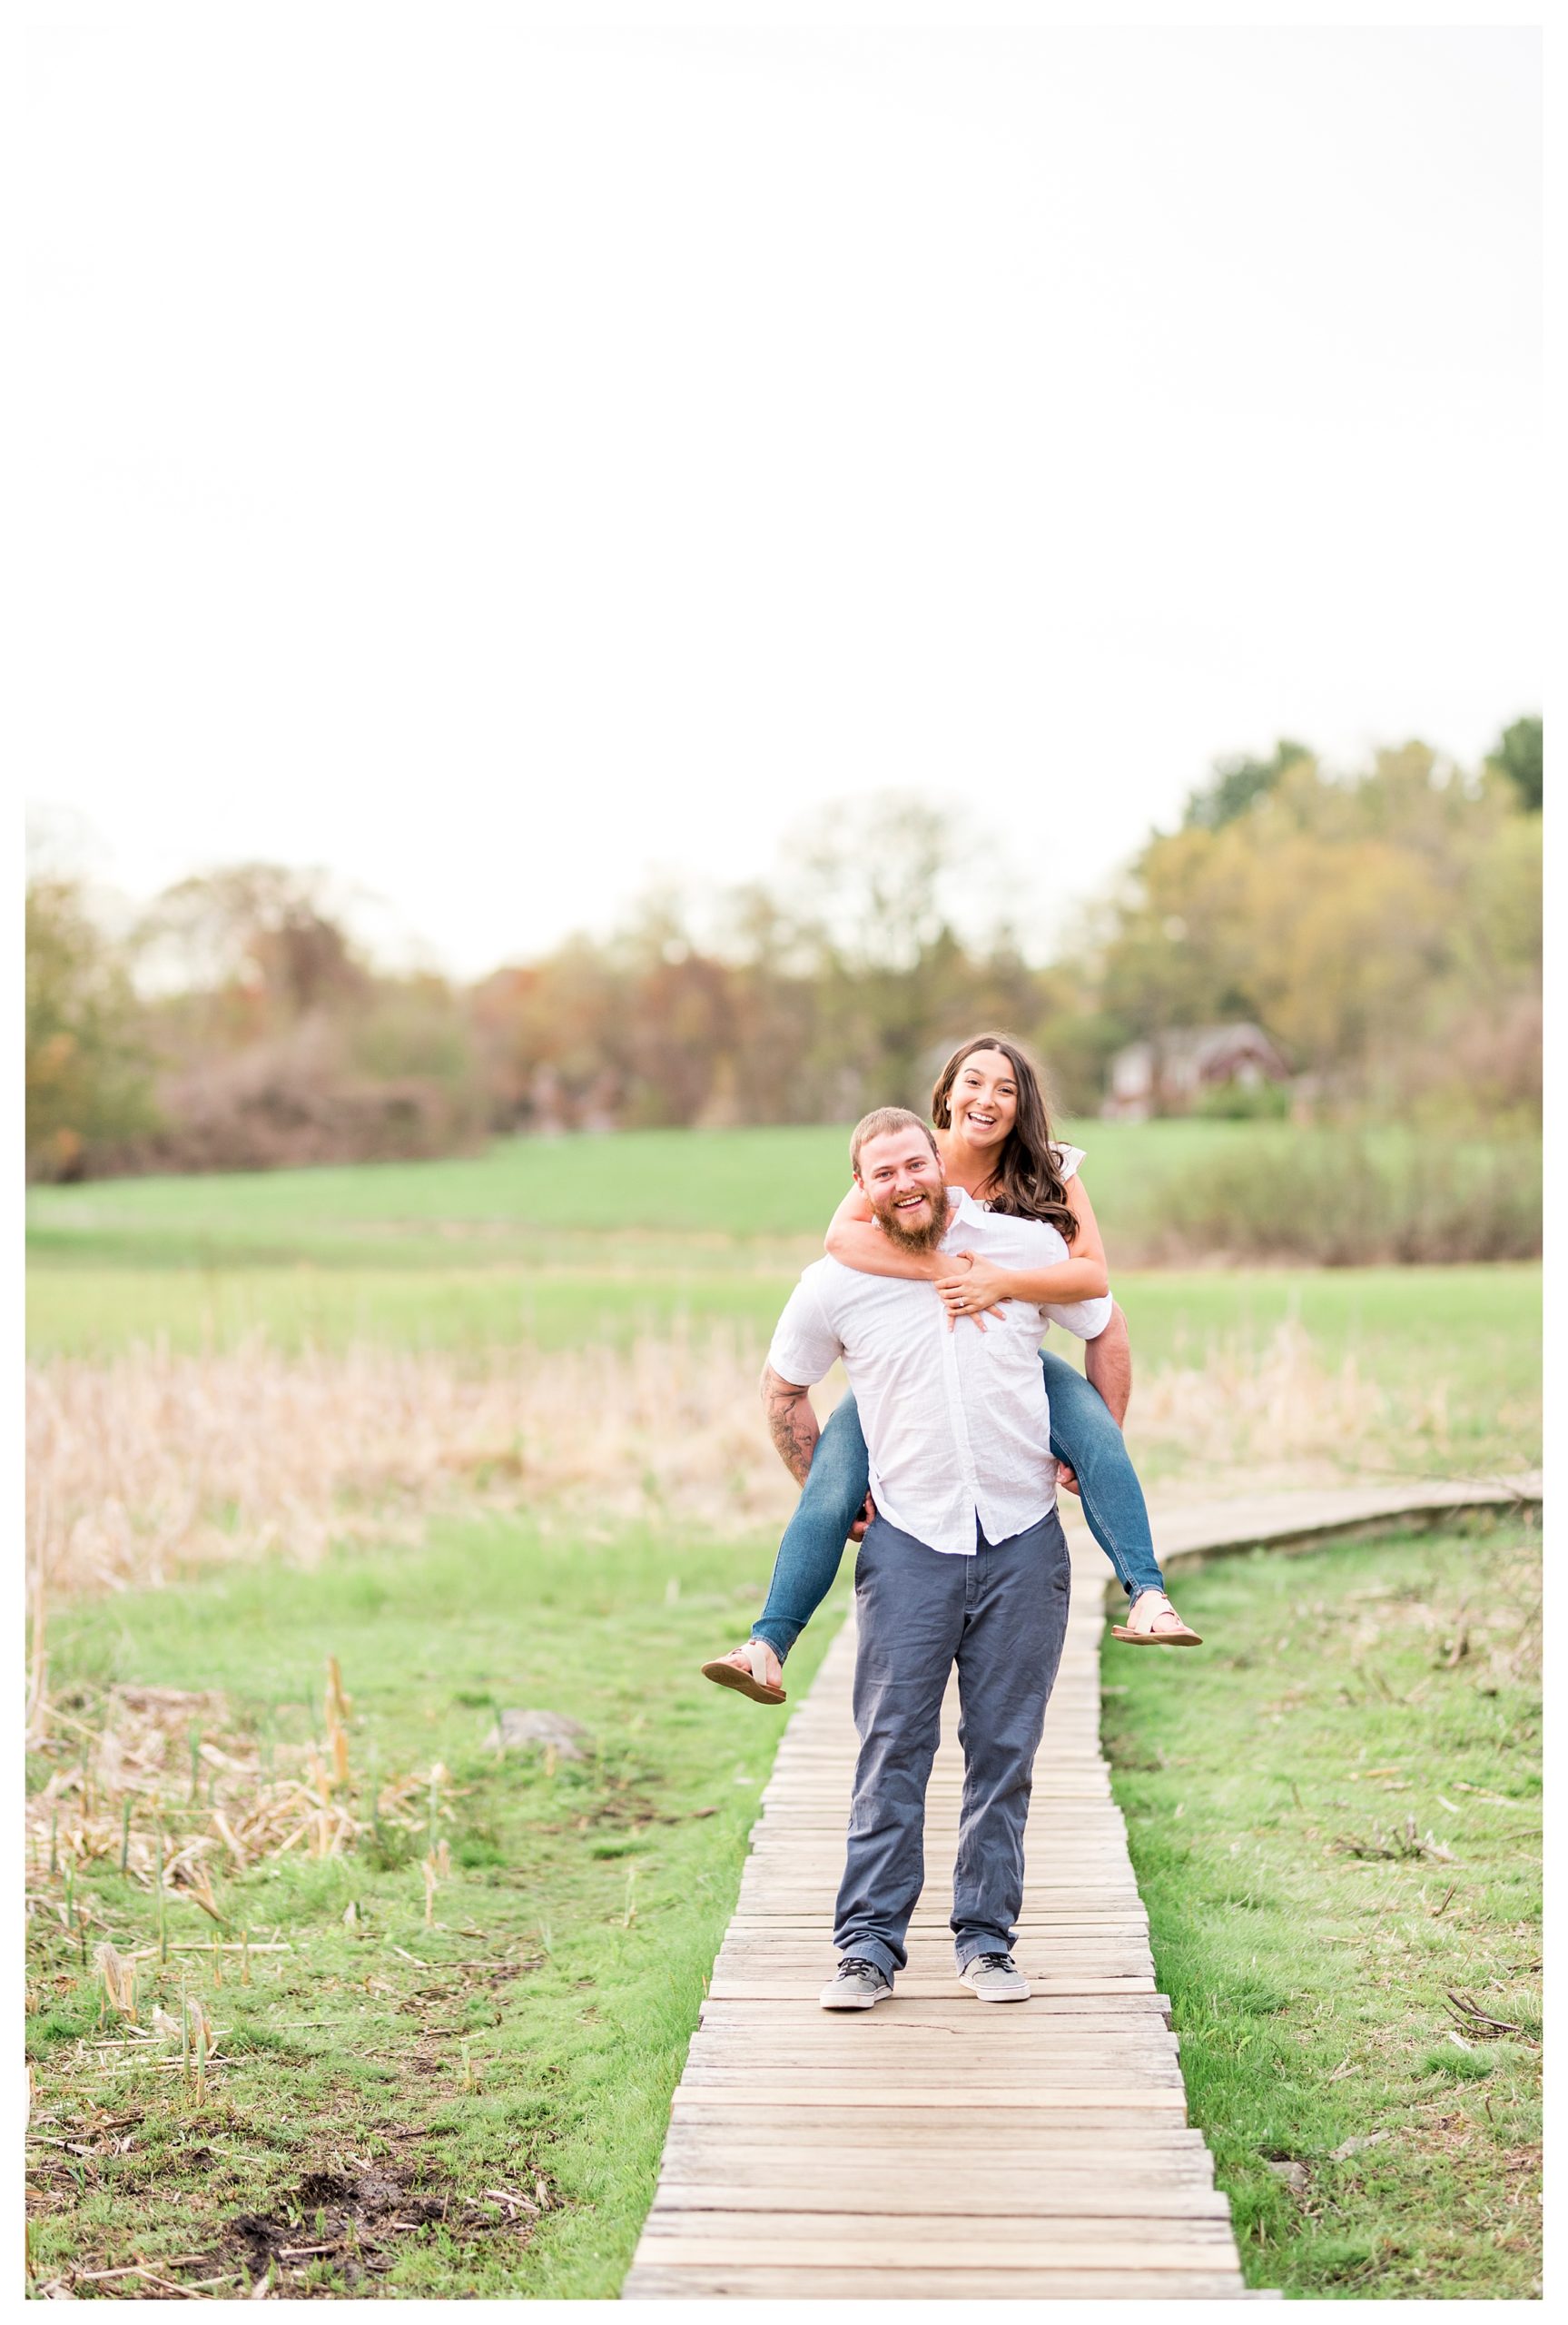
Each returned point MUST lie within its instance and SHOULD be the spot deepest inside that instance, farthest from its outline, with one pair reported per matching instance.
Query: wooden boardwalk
(1190, 1532)
(937, 2147)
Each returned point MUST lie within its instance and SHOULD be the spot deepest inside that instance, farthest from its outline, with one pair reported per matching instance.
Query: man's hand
(857, 1531)
(1065, 1476)
(790, 1421)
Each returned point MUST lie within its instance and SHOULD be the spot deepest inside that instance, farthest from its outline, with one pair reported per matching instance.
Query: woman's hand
(977, 1293)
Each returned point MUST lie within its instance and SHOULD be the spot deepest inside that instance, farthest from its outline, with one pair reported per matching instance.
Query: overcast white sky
(506, 465)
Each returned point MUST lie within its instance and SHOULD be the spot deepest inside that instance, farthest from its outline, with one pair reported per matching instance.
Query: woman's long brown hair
(1027, 1182)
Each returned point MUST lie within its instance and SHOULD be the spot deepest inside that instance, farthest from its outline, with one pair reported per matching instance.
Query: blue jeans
(1082, 1434)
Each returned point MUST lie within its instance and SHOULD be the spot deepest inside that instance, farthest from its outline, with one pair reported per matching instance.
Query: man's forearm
(1108, 1363)
(791, 1423)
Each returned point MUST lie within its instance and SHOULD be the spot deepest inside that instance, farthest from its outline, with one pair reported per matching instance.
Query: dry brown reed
(1276, 1409)
(164, 1785)
(152, 1463)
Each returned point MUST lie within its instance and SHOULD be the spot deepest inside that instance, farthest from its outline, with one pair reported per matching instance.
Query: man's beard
(915, 1238)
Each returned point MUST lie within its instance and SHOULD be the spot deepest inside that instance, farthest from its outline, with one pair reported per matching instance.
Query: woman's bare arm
(855, 1240)
(1061, 1285)
(1082, 1276)
(1087, 1243)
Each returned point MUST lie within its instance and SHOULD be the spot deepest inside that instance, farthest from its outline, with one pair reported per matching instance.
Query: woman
(994, 1139)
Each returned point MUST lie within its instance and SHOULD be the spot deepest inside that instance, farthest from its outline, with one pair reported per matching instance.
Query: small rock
(515, 1730)
(1295, 2175)
(1353, 2147)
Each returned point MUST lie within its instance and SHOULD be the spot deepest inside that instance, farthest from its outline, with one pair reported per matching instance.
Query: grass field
(584, 1242)
(531, 1203)
(525, 2038)
(520, 1194)
(1334, 1813)
(486, 1432)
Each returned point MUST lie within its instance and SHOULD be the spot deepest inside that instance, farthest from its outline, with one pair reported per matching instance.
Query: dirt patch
(353, 2223)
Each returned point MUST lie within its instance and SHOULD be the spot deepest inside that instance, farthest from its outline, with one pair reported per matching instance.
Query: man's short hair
(885, 1118)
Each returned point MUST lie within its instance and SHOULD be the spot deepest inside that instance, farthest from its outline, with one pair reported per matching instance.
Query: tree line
(1383, 928)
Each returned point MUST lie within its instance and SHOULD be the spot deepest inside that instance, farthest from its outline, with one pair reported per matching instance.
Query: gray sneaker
(856, 1985)
(995, 1977)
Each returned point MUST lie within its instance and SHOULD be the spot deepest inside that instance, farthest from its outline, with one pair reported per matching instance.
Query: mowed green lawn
(528, 1200)
(515, 1198)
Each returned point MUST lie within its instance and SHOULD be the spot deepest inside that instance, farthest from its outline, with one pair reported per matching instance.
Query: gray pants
(1001, 1616)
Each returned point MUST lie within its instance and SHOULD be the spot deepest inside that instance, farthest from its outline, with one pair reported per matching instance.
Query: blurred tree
(87, 1069)
(1382, 927)
(679, 1018)
(768, 1076)
(890, 972)
(1354, 919)
(263, 931)
(1519, 756)
(1503, 922)
(1238, 783)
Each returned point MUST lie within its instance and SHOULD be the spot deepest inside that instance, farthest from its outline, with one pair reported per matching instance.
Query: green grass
(741, 1183)
(521, 1197)
(81, 1311)
(570, 1947)
(1334, 1815)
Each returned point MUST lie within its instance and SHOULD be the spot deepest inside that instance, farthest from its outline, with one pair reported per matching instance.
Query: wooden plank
(921, 2141)
(966, 2103)
(930, 1955)
(914, 2049)
(955, 2013)
(1065, 1993)
(1068, 2208)
(914, 2235)
(1195, 2251)
(803, 2283)
(766, 2002)
(1030, 2130)
(719, 2159)
(1059, 1931)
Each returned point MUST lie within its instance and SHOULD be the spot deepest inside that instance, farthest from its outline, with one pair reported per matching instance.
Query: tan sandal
(1179, 1636)
(753, 1682)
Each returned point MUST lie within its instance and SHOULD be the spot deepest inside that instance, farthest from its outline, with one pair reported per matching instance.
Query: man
(964, 1562)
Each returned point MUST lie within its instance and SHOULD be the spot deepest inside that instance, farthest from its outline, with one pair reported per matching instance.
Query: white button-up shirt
(957, 1423)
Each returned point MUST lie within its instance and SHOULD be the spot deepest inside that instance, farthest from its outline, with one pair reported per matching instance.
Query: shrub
(1354, 1199)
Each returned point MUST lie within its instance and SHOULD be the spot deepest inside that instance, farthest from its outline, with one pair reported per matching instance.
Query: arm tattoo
(791, 1422)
